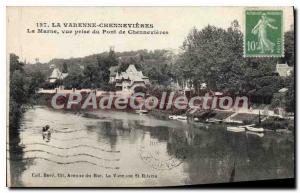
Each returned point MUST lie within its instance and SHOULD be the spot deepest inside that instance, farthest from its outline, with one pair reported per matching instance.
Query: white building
(284, 70)
(129, 80)
(56, 75)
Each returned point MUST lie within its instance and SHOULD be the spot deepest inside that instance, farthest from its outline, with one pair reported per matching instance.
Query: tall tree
(18, 94)
(112, 58)
(91, 75)
(290, 95)
(289, 46)
(103, 68)
(213, 55)
(65, 68)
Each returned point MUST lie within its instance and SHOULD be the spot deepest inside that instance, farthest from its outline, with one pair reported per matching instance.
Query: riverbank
(269, 123)
(258, 117)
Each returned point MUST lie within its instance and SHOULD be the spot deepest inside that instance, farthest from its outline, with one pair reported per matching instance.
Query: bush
(275, 123)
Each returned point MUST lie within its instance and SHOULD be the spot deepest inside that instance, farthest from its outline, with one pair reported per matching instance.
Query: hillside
(152, 63)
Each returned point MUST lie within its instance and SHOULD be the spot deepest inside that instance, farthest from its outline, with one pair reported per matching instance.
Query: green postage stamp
(263, 33)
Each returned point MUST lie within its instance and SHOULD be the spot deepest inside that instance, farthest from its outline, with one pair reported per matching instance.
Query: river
(109, 148)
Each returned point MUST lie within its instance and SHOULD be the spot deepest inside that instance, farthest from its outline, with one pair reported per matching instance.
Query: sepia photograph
(149, 96)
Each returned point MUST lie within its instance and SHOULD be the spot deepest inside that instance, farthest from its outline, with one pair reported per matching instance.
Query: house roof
(57, 74)
(132, 74)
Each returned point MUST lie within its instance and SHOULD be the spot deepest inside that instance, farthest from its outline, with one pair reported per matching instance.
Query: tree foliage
(22, 90)
(65, 68)
(210, 55)
(290, 95)
(214, 56)
(17, 92)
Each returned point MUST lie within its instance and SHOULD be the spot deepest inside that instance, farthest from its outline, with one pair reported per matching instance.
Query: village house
(284, 70)
(129, 80)
(56, 74)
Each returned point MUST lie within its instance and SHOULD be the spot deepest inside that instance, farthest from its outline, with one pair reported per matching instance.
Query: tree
(14, 63)
(112, 58)
(91, 76)
(74, 79)
(103, 68)
(96, 74)
(65, 68)
(231, 74)
(18, 94)
(213, 55)
(35, 80)
(290, 95)
(160, 74)
(289, 46)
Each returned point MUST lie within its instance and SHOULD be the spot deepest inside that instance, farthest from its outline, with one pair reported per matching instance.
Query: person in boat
(46, 133)
(46, 128)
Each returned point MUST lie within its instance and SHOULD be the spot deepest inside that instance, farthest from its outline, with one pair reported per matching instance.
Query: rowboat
(254, 133)
(173, 117)
(213, 120)
(255, 129)
(181, 118)
(178, 117)
(236, 129)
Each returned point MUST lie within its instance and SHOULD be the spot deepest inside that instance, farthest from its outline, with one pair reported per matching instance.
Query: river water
(107, 148)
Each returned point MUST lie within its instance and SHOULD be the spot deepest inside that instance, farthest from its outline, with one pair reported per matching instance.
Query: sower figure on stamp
(261, 30)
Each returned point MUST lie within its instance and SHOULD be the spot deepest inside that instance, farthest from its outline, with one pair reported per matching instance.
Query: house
(284, 70)
(129, 80)
(56, 74)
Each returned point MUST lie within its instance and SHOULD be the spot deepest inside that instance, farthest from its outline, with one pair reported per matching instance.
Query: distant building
(52, 66)
(129, 80)
(56, 75)
(284, 70)
(113, 72)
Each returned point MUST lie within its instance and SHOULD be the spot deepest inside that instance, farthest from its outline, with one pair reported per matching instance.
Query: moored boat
(254, 129)
(196, 119)
(255, 133)
(181, 118)
(213, 120)
(173, 117)
(236, 129)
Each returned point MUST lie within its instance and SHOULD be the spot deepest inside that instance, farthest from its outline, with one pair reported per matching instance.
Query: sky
(178, 21)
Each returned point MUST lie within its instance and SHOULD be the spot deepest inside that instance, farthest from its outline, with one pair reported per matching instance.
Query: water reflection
(178, 153)
(17, 164)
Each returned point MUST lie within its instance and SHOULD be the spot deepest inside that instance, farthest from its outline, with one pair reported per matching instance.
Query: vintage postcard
(149, 96)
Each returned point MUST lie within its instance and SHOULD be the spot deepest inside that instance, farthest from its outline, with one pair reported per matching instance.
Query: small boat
(181, 118)
(247, 125)
(141, 112)
(254, 129)
(236, 129)
(196, 119)
(213, 120)
(173, 117)
(254, 133)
